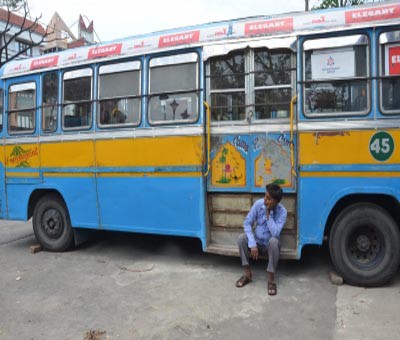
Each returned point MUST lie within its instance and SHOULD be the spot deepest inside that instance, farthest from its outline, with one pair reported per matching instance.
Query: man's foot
(272, 288)
(244, 280)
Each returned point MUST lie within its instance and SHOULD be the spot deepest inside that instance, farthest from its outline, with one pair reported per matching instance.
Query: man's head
(273, 195)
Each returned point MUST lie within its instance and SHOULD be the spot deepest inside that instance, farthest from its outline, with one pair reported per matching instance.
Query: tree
(337, 3)
(18, 27)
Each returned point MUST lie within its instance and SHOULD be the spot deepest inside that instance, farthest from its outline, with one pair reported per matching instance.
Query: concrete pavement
(150, 287)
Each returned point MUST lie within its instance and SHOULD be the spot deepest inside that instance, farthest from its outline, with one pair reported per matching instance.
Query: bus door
(21, 140)
(3, 199)
(250, 90)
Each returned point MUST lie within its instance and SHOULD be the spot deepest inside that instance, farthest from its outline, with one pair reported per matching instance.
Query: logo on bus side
(381, 146)
(20, 158)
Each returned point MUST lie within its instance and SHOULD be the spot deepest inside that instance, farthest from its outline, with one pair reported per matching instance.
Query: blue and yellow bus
(178, 132)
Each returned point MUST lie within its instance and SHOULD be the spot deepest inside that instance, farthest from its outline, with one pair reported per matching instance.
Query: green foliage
(337, 3)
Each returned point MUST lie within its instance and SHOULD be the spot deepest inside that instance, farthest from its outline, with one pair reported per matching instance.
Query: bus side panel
(318, 196)
(152, 185)
(334, 164)
(70, 165)
(161, 205)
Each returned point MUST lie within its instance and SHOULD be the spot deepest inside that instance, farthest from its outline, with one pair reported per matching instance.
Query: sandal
(272, 288)
(244, 280)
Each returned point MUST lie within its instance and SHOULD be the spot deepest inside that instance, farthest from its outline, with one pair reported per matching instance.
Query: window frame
(56, 105)
(381, 76)
(249, 89)
(367, 78)
(244, 90)
(2, 101)
(34, 109)
(290, 86)
(179, 59)
(138, 96)
(63, 104)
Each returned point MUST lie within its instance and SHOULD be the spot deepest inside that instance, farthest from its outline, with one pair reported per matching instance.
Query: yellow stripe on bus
(342, 147)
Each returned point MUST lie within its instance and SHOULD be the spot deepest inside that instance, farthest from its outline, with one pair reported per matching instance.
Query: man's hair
(275, 191)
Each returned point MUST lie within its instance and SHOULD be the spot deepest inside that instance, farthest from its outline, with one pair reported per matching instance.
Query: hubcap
(52, 223)
(365, 247)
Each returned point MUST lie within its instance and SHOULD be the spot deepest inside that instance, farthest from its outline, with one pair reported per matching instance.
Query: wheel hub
(364, 247)
(52, 223)
(363, 243)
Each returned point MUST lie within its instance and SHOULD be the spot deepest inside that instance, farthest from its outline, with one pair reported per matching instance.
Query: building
(21, 38)
(61, 37)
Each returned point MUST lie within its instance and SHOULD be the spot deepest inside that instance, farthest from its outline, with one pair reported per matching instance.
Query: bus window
(119, 94)
(174, 89)
(273, 83)
(227, 87)
(1, 109)
(77, 99)
(21, 108)
(49, 102)
(390, 72)
(335, 74)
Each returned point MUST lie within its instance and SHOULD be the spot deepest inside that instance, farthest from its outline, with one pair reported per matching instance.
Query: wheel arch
(37, 194)
(385, 200)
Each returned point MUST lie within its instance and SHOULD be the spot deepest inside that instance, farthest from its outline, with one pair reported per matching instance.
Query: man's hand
(254, 253)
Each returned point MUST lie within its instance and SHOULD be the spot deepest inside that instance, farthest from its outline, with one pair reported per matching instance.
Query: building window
(119, 94)
(25, 48)
(174, 88)
(336, 76)
(77, 99)
(22, 108)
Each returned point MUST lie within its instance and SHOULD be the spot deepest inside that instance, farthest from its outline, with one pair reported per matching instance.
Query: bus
(178, 132)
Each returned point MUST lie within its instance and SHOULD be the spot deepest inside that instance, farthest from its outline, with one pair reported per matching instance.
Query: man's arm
(248, 226)
(276, 221)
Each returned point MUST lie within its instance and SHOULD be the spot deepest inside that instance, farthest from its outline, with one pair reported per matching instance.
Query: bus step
(214, 248)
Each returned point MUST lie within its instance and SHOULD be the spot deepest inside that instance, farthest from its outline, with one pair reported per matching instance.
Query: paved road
(147, 287)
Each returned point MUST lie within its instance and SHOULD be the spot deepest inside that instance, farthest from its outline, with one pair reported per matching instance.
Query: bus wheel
(51, 224)
(365, 245)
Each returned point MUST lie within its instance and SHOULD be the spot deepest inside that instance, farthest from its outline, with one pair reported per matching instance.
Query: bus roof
(285, 24)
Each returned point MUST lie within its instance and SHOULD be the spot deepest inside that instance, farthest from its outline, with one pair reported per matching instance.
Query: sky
(118, 18)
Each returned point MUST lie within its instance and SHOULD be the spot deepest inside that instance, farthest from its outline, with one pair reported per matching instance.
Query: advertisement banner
(392, 58)
(337, 64)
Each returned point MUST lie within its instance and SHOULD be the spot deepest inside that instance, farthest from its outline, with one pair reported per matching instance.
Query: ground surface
(125, 286)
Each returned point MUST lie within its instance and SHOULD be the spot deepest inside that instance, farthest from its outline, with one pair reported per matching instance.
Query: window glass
(390, 72)
(119, 94)
(77, 95)
(173, 78)
(227, 82)
(336, 78)
(49, 102)
(21, 108)
(272, 80)
(173, 90)
(1, 109)
(120, 84)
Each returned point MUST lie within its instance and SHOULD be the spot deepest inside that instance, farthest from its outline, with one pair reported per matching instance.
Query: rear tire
(51, 224)
(365, 245)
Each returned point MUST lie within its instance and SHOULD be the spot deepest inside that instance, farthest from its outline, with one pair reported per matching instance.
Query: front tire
(365, 245)
(51, 224)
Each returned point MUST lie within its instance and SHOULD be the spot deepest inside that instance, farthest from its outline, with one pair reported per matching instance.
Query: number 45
(381, 145)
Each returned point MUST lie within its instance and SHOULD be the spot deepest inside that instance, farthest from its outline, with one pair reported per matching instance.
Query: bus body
(116, 136)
